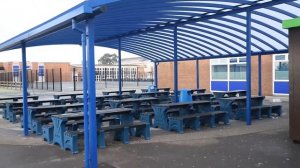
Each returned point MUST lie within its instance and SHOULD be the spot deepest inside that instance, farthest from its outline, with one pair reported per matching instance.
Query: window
(219, 69)
(238, 69)
(219, 72)
(281, 67)
(281, 70)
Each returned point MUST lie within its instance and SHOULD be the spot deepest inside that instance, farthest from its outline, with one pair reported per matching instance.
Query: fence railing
(132, 79)
(49, 79)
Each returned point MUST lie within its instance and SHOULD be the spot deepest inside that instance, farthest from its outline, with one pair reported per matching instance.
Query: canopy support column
(248, 74)
(175, 66)
(83, 33)
(120, 67)
(92, 93)
(24, 90)
(197, 75)
(155, 74)
(85, 101)
(259, 76)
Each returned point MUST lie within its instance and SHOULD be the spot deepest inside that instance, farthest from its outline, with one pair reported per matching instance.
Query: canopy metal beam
(171, 25)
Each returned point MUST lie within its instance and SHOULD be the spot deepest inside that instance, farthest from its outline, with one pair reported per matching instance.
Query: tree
(108, 59)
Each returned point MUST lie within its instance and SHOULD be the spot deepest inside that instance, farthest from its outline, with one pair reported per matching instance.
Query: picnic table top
(134, 100)
(116, 91)
(202, 94)
(56, 106)
(35, 101)
(183, 103)
(232, 91)
(67, 94)
(163, 88)
(195, 90)
(149, 93)
(103, 96)
(106, 112)
(241, 98)
(16, 97)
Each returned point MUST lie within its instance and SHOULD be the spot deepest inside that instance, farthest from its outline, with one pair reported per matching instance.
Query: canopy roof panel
(206, 29)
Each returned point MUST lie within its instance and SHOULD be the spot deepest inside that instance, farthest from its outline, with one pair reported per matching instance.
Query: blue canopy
(206, 29)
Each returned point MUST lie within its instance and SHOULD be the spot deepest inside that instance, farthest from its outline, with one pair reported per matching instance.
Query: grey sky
(18, 16)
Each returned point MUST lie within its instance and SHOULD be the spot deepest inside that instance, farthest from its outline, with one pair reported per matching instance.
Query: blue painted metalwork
(248, 72)
(175, 65)
(120, 67)
(197, 75)
(90, 31)
(85, 101)
(85, 94)
(162, 15)
(156, 74)
(24, 90)
(259, 76)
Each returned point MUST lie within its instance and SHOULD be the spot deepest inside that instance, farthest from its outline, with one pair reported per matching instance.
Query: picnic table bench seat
(121, 132)
(47, 128)
(194, 121)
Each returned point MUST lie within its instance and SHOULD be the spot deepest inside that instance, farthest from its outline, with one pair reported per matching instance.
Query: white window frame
(273, 71)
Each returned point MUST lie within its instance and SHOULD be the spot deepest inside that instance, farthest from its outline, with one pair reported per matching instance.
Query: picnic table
(158, 90)
(161, 94)
(16, 98)
(202, 96)
(47, 111)
(137, 104)
(236, 106)
(15, 108)
(162, 111)
(59, 121)
(197, 91)
(235, 93)
(71, 95)
(130, 92)
(101, 100)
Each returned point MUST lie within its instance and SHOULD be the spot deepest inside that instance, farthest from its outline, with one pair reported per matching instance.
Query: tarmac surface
(263, 144)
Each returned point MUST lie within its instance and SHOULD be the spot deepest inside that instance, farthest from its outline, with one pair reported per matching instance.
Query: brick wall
(187, 74)
(66, 69)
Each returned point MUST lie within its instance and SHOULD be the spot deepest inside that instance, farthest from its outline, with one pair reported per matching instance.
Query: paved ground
(264, 144)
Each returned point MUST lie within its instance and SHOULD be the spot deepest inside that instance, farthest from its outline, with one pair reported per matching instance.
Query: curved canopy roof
(206, 29)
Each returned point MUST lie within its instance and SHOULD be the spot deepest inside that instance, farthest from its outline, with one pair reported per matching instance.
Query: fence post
(47, 78)
(74, 81)
(137, 76)
(31, 78)
(43, 81)
(105, 78)
(37, 79)
(60, 75)
(53, 79)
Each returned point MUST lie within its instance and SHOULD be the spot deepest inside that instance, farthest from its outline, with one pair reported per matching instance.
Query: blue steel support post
(155, 74)
(197, 75)
(120, 67)
(92, 92)
(24, 89)
(248, 74)
(85, 101)
(175, 66)
(259, 76)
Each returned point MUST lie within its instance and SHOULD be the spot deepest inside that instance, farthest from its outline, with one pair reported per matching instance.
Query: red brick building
(274, 74)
